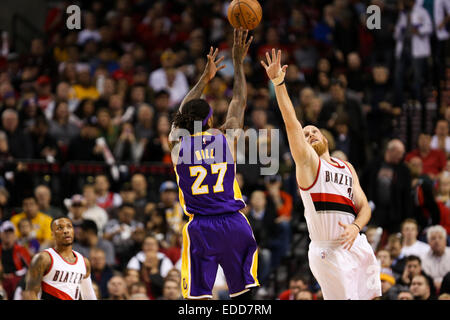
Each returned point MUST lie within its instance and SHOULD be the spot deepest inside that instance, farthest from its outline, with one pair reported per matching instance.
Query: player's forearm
(296, 138)
(196, 91)
(239, 100)
(363, 216)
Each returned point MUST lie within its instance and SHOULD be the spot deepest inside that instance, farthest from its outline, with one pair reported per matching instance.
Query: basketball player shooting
(217, 232)
(336, 208)
(59, 273)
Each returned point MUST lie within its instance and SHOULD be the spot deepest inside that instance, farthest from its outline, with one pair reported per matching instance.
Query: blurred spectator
(76, 207)
(150, 247)
(139, 186)
(436, 263)
(262, 219)
(410, 244)
(101, 273)
(44, 144)
(138, 291)
(420, 288)
(304, 295)
(433, 160)
(282, 201)
(171, 208)
(387, 283)
(342, 106)
(26, 237)
(405, 295)
(121, 232)
(117, 288)
(106, 198)
(394, 247)
(387, 184)
(157, 148)
(15, 259)
(108, 129)
(413, 267)
(126, 145)
(43, 196)
(171, 290)
(144, 122)
(84, 89)
(412, 34)
(297, 283)
(441, 138)
(41, 222)
(63, 93)
(379, 97)
(93, 211)
(84, 146)
(19, 142)
(62, 127)
(425, 208)
(169, 78)
(89, 240)
(132, 278)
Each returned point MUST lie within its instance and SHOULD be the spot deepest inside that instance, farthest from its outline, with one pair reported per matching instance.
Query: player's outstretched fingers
(268, 58)
(264, 65)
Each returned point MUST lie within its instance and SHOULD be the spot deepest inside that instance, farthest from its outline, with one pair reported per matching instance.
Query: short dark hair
(89, 225)
(127, 205)
(413, 258)
(194, 110)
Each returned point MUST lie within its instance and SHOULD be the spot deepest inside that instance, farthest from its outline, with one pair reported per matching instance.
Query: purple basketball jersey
(206, 174)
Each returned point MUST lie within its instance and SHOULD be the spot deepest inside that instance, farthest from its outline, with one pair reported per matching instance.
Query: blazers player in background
(216, 233)
(336, 208)
(59, 273)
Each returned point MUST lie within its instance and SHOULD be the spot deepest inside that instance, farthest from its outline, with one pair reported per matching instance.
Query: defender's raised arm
(304, 155)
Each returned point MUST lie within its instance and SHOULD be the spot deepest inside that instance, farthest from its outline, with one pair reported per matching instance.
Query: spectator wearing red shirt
(126, 70)
(14, 258)
(433, 160)
(297, 283)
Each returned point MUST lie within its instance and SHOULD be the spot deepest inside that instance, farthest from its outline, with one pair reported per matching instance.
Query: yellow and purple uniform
(217, 233)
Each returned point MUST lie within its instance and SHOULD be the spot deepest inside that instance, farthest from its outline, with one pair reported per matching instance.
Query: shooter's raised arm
(235, 115)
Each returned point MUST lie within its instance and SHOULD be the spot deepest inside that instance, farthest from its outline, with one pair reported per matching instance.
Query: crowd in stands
(106, 94)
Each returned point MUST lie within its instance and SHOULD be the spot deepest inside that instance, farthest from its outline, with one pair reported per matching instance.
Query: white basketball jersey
(63, 279)
(329, 200)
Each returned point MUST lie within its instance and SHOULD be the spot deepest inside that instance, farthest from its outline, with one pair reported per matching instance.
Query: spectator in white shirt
(90, 31)
(410, 244)
(169, 78)
(150, 245)
(93, 211)
(441, 139)
(436, 263)
(412, 34)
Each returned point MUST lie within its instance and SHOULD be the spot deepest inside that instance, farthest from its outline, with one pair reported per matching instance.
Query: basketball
(244, 13)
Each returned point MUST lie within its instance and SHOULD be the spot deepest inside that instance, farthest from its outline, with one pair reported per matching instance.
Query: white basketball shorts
(345, 274)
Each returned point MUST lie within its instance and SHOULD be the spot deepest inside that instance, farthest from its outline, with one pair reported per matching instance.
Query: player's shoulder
(43, 258)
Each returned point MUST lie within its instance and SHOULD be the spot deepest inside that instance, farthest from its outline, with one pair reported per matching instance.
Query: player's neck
(326, 156)
(64, 251)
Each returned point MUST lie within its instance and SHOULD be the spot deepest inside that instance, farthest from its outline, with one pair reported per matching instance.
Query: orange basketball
(244, 13)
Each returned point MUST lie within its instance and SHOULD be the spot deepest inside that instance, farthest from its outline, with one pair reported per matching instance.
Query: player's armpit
(38, 267)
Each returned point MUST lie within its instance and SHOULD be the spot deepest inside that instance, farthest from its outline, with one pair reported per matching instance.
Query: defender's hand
(240, 45)
(273, 66)
(212, 66)
(349, 235)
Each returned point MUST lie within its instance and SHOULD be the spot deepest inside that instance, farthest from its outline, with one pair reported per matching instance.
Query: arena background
(124, 73)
